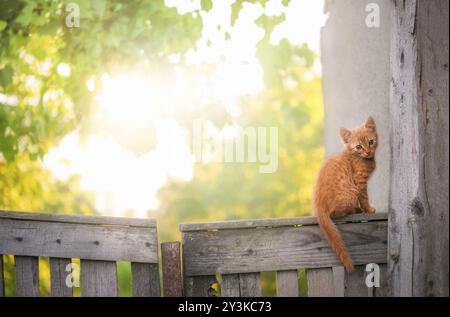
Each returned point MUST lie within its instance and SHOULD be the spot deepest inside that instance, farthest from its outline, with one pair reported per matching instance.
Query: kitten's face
(361, 141)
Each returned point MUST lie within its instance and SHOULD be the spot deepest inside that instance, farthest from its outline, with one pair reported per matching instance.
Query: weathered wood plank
(72, 240)
(271, 249)
(230, 285)
(275, 222)
(339, 281)
(98, 278)
(355, 285)
(171, 267)
(27, 276)
(383, 290)
(145, 279)
(58, 276)
(78, 219)
(2, 277)
(250, 284)
(287, 283)
(320, 282)
(199, 286)
(419, 203)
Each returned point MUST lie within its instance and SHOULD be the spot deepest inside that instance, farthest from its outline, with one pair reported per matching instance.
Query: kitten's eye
(370, 142)
(358, 147)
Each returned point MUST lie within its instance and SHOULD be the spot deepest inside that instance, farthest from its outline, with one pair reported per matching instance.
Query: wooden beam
(77, 240)
(280, 248)
(418, 262)
(93, 220)
(171, 267)
(276, 222)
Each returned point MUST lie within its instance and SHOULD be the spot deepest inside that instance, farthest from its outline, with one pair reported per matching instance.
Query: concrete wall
(356, 81)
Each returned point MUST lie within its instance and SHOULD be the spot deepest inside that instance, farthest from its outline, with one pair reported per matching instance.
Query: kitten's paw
(370, 210)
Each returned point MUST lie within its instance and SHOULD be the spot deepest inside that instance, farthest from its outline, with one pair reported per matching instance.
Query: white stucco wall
(356, 81)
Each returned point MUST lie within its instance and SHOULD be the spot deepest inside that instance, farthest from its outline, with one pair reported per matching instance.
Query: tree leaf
(206, 5)
(3, 25)
(6, 75)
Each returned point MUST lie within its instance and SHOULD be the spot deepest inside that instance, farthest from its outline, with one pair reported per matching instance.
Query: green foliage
(44, 105)
(206, 5)
(233, 191)
(35, 40)
(290, 102)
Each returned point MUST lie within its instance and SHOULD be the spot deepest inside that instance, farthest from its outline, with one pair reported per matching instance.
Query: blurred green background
(51, 76)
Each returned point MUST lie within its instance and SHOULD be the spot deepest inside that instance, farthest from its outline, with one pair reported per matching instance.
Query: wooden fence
(97, 241)
(239, 251)
(229, 254)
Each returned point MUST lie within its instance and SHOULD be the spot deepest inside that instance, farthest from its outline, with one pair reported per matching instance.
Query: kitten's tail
(334, 239)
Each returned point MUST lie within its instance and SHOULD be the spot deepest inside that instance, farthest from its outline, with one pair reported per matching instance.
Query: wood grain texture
(171, 268)
(145, 279)
(2, 277)
(282, 248)
(287, 283)
(230, 285)
(355, 285)
(73, 240)
(250, 284)
(199, 286)
(98, 278)
(275, 222)
(78, 219)
(320, 282)
(383, 290)
(420, 149)
(58, 276)
(27, 276)
(339, 281)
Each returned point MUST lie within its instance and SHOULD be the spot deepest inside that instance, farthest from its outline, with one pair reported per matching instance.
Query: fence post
(171, 269)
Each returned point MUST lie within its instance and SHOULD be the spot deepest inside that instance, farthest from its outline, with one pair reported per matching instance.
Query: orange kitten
(341, 186)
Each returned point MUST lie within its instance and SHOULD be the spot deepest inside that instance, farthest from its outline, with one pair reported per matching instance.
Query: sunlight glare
(123, 180)
(131, 99)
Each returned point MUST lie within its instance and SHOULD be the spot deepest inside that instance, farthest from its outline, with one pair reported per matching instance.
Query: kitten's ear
(370, 123)
(345, 135)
